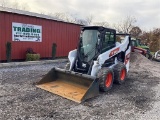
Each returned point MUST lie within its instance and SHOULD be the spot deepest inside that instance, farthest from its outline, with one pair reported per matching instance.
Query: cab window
(108, 42)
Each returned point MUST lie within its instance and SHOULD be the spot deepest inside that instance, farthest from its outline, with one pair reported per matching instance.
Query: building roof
(22, 12)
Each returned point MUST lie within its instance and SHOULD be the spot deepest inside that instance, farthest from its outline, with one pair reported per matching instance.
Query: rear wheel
(120, 73)
(67, 66)
(106, 78)
(148, 55)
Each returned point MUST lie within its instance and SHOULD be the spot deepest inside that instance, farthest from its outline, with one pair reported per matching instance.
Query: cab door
(108, 41)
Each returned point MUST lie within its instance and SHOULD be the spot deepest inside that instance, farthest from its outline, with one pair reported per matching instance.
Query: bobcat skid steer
(97, 62)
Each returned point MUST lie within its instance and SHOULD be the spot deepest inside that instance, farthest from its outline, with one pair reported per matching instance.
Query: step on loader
(97, 62)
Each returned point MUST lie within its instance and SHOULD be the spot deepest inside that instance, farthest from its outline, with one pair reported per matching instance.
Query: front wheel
(106, 78)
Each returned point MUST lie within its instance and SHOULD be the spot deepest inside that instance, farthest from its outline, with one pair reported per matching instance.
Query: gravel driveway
(138, 98)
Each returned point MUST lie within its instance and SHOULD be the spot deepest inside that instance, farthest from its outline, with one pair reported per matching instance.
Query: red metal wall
(65, 35)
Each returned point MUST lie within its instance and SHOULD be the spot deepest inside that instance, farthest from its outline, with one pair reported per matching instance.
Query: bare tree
(81, 21)
(89, 19)
(135, 32)
(104, 24)
(15, 5)
(125, 25)
(155, 38)
(43, 12)
(51, 14)
(65, 16)
(3, 3)
(62, 16)
(69, 18)
(146, 37)
(25, 7)
(152, 39)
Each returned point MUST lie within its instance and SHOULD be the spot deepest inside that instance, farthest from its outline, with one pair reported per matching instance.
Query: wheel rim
(109, 79)
(123, 74)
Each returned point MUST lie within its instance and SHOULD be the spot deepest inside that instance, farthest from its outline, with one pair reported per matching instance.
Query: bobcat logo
(113, 52)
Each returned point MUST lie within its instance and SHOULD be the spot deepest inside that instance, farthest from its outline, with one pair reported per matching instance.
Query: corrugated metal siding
(65, 35)
(1, 42)
(2, 39)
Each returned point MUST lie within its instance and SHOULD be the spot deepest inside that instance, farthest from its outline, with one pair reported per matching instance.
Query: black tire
(148, 55)
(120, 73)
(106, 77)
(67, 66)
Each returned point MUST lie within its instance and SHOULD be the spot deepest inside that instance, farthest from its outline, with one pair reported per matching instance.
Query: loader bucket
(71, 85)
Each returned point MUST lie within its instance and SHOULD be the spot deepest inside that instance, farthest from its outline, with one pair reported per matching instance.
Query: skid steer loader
(97, 62)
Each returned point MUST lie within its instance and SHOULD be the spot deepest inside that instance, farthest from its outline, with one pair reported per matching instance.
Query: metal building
(31, 30)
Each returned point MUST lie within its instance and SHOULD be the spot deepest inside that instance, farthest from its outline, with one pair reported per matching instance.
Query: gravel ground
(137, 99)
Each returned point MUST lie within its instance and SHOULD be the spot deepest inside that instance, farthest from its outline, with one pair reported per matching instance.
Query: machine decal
(113, 52)
(127, 58)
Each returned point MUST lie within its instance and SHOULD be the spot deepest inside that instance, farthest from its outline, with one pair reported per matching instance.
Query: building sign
(26, 32)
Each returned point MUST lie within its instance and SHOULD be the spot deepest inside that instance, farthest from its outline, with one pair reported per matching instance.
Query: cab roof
(100, 28)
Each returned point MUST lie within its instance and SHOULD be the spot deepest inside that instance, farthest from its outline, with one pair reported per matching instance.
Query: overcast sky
(147, 12)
